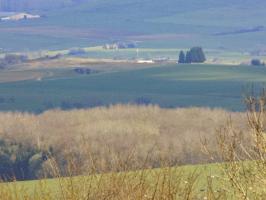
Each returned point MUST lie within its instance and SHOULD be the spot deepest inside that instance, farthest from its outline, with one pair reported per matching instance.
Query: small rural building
(120, 45)
(20, 16)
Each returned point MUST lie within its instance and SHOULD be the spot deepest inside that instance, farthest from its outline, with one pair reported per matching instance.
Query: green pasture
(168, 85)
(53, 187)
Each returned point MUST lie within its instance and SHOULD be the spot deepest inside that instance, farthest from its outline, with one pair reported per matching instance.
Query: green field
(56, 185)
(169, 85)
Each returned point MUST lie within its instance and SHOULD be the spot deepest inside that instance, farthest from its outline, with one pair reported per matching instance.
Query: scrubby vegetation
(12, 59)
(257, 62)
(124, 130)
(239, 145)
(84, 70)
(19, 161)
(76, 52)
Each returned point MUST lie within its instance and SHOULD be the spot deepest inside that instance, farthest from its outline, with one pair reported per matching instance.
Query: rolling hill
(168, 86)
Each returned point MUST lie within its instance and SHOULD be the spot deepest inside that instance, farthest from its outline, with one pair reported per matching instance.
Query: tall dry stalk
(243, 154)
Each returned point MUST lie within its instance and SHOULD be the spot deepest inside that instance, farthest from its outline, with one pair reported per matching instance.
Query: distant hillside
(226, 24)
(18, 5)
(21, 5)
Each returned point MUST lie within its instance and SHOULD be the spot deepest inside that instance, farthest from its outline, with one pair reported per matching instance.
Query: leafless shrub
(243, 153)
(112, 153)
(124, 131)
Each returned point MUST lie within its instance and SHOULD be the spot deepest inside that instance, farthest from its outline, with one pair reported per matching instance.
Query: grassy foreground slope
(171, 183)
(166, 85)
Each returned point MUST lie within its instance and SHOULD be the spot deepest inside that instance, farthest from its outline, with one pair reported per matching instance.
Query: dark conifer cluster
(194, 55)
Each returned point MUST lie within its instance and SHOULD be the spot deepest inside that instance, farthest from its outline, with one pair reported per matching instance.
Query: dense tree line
(194, 55)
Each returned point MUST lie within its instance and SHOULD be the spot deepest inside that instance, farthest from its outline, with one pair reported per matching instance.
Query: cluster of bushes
(12, 59)
(257, 62)
(7, 100)
(194, 55)
(76, 52)
(67, 105)
(84, 70)
(143, 101)
(48, 57)
(20, 161)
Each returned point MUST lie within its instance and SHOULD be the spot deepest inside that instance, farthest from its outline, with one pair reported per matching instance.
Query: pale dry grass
(125, 130)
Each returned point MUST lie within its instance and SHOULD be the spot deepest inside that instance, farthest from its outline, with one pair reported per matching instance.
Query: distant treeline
(20, 161)
(240, 31)
(31, 146)
(12, 59)
(257, 62)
